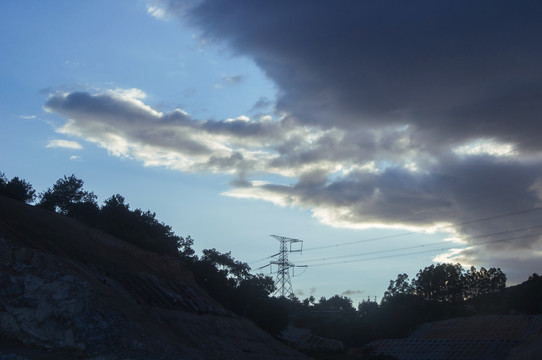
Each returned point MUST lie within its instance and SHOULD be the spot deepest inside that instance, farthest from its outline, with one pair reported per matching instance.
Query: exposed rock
(68, 291)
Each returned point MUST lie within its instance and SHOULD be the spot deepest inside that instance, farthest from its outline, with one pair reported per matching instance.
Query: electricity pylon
(283, 282)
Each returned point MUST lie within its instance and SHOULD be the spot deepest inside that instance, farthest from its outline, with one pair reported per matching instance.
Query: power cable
(422, 252)
(414, 232)
(421, 245)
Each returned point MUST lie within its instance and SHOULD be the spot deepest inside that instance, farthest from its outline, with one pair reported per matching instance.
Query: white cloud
(258, 192)
(239, 118)
(65, 144)
(27, 117)
(486, 147)
(157, 12)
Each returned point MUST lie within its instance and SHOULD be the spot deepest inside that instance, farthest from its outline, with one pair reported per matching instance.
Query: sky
(386, 135)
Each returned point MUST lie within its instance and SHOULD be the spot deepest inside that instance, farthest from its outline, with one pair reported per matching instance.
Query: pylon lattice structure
(283, 282)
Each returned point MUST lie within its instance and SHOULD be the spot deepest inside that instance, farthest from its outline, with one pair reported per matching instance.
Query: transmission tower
(284, 284)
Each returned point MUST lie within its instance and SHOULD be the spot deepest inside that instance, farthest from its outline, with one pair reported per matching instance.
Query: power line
(421, 252)
(414, 232)
(410, 232)
(265, 258)
(420, 245)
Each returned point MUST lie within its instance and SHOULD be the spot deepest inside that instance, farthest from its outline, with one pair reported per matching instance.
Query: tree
(367, 308)
(141, 228)
(65, 195)
(399, 286)
(441, 282)
(309, 301)
(18, 189)
(235, 270)
(184, 246)
(336, 303)
(480, 282)
(448, 283)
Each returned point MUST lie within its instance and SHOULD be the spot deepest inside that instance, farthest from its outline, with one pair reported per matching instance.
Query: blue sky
(338, 125)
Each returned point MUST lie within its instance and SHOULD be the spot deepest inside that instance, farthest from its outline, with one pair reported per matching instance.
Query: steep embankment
(70, 291)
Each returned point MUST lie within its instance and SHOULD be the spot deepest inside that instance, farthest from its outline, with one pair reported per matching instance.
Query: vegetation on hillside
(437, 292)
(18, 189)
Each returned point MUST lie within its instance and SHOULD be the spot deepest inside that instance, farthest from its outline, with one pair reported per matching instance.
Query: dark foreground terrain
(68, 291)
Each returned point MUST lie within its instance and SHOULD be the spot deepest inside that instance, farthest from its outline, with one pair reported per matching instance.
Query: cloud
(27, 117)
(352, 292)
(229, 80)
(419, 115)
(65, 144)
(157, 12)
(427, 112)
(373, 64)
(119, 121)
(347, 178)
(73, 64)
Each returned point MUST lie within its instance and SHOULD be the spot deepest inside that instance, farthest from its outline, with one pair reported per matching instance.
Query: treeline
(448, 283)
(436, 292)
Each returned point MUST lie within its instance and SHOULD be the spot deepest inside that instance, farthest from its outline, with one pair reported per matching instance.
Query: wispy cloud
(157, 12)
(66, 144)
(351, 292)
(229, 80)
(27, 117)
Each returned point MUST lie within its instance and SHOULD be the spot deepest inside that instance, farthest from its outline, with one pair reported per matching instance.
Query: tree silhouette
(448, 283)
(142, 228)
(480, 282)
(18, 189)
(336, 303)
(367, 308)
(66, 195)
(399, 286)
(234, 270)
(441, 282)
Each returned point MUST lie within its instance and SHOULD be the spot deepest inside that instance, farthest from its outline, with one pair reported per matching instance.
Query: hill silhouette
(68, 290)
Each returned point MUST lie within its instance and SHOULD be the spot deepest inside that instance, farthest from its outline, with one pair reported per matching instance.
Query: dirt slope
(69, 291)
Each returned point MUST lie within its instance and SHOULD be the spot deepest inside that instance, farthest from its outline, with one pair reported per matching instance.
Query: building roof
(473, 338)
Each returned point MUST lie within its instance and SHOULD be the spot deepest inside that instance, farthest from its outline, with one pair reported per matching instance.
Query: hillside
(70, 291)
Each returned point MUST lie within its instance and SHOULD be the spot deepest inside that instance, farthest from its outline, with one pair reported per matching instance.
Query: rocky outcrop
(68, 291)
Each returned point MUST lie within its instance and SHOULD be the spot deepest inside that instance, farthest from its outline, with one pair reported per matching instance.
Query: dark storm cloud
(453, 69)
(408, 82)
